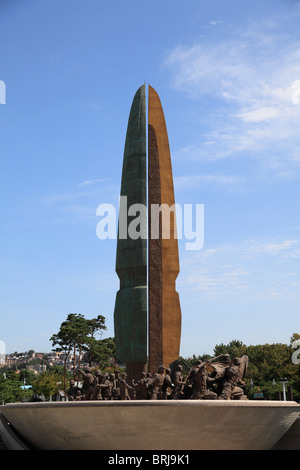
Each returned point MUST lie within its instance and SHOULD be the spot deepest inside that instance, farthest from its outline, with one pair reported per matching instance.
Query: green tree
(11, 388)
(27, 375)
(77, 334)
(96, 325)
(235, 349)
(97, 350)
(100, 351)
(63, 340)
(270, 361)
(294, 337)
(48, 383)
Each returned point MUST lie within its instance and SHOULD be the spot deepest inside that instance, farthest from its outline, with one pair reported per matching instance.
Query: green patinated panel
(131, 324)
(130, 316)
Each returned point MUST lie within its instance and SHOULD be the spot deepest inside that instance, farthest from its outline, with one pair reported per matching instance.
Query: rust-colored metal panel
(163, 260)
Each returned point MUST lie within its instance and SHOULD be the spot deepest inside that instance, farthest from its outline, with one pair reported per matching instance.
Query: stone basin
(152, 425)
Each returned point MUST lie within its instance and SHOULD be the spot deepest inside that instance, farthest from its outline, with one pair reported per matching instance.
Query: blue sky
(228, 75)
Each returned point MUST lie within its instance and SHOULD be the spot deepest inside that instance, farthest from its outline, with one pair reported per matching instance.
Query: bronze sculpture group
(219, 378)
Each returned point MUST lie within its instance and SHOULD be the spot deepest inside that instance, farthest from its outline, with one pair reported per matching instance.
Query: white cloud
(260, 114)
(188, 181)
(274, 248)
(215, 22)
(94, 181)
(263, 268)
(79, 204)
(86, 183)
(253, 81)
(216, 280)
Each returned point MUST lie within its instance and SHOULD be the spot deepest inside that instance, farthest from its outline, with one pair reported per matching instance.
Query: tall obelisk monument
(147, 314)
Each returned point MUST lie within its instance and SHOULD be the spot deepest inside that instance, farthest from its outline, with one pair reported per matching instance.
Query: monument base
(152, 425)
(134, 370)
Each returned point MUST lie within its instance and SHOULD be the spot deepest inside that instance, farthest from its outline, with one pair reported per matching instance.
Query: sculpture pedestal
(152, 425)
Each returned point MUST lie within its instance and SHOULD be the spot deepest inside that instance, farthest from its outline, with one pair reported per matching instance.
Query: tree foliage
(99, 351)
(78, 335)
(268, 363)
(48, 383)
(12, 387)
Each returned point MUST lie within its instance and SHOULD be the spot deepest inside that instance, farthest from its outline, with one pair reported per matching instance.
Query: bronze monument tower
(147, 315)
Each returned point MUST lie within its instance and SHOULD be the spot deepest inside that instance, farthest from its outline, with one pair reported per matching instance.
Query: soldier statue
(233, 380)
(156, 383)
(167, 386)
(124, 387)
(73, 393)
(141, 388)
(88, 382)
(179, 382)
(202, 383)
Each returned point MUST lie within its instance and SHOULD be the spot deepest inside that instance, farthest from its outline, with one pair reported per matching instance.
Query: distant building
(37, 355)
(37, 368)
